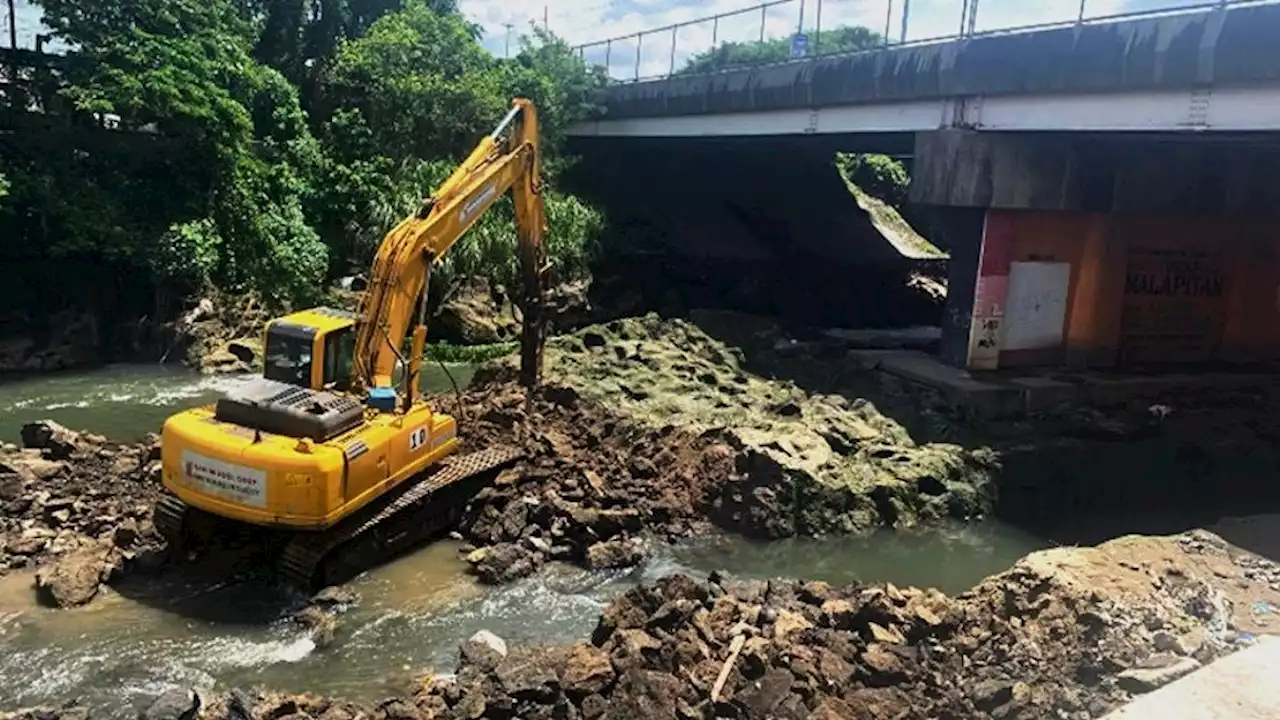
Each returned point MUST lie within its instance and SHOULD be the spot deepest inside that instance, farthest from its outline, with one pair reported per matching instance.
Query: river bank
(656, 429)
(1067, 632)
(651, 432)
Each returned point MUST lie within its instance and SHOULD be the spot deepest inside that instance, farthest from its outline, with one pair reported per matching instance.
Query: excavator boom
(507, 159)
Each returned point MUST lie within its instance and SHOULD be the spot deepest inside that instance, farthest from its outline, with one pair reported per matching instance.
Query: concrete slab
(1241, 686)
(1011, 393)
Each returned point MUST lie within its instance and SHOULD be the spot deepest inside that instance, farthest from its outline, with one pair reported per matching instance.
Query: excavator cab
(312, 349)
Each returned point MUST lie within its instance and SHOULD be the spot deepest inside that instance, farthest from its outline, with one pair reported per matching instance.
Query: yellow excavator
(334, 452)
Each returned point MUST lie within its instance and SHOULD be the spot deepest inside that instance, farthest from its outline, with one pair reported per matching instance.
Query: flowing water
(125, 402)
(123, 650)
(152, 634)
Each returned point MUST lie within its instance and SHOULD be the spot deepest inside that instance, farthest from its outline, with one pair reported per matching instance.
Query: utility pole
(507, 51)
(13, 26)
(546, 19)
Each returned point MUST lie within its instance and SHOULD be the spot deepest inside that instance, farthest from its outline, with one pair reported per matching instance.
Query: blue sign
(799, 45)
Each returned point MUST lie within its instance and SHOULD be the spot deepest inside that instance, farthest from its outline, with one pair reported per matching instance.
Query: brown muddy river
(211, 634)
(123, 650)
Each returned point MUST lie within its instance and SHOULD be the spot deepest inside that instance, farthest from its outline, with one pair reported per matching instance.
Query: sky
(588, 21)
(585, 21)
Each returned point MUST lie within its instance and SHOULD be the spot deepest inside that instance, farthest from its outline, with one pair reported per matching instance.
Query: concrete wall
(1104, 290)
(1231, 47)
(1115, 172)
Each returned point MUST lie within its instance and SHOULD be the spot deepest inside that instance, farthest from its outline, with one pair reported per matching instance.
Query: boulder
(320, 623)
(587, 671)
(175, 704)
(646, 694)
(528, 678)
(58, 442)
(483, 651)
(476, 314)
(613, 554)
(73, 580)
(504, 562)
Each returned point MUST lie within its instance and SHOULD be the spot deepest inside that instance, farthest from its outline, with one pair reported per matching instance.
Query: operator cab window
(288, 356)
(339, 355)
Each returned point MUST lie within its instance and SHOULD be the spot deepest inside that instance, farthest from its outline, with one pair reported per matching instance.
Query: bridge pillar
(1080, 253)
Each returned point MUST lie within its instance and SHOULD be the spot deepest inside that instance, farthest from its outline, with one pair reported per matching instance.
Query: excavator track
(432, 503)
(169, 517)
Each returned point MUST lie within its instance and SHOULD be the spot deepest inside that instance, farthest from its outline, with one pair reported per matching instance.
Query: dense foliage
(879, 175)
(739, 54)
(274, 142)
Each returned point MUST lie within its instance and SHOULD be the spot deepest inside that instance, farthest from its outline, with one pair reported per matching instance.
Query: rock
(335, 596)
(476, 314)
(587, 671)
(175, 704)
(246, 350)
(125, 534)
(59, 442)
(483, 651)
(613, 554)
(787, 622)
(1166, 642)
(72, 580)
(645, 694)
(1157, 672)
(762, 697)
(528, 678)
(504, 562)
(320, 623)
(886, 635)
(991, 694)
(885, 667)
(11, 487)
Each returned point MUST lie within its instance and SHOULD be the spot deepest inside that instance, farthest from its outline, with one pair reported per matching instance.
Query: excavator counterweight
(334, 447)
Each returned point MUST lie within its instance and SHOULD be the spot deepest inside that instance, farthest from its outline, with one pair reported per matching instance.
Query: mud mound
(591, 488)
(802, 464)
(76, 505)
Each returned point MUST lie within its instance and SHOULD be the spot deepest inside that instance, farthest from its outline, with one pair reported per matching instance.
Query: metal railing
(797, 30)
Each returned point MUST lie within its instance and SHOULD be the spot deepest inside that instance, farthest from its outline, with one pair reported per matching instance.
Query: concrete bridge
(1106, 190)
(1212, 70)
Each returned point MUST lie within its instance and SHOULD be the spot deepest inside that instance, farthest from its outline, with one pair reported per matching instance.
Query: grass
(467, 354)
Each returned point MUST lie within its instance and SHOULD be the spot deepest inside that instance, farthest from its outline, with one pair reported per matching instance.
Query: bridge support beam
(1106, 252)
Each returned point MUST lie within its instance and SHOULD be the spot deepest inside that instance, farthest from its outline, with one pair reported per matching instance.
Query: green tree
(417, 84)
(184, 67)
(879, 175)
(413, 96)
(851, 38)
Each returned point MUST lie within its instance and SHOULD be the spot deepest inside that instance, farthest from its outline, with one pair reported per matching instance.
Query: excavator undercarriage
(423, 509)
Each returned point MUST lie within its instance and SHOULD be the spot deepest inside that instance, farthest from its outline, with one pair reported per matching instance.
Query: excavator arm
(507, 159)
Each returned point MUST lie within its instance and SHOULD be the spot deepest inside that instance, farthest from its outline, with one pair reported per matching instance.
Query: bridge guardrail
(796, 27)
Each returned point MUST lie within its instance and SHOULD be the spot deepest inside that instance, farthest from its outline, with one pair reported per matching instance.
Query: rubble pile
(1065, 633)
(77, 507)
(652, 425)
(591, 488)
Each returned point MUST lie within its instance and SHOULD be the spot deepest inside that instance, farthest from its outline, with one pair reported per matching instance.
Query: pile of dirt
(591, 488)
(649, 424)
(77, 508)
